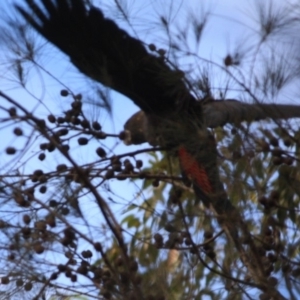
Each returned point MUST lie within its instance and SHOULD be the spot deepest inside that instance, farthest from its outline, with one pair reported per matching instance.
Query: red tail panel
(194, 170)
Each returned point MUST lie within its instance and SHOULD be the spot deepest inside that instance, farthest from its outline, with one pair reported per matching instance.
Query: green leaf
(131, 221)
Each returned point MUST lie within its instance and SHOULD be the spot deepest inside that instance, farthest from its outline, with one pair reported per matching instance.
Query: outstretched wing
(108, 54)
(219, 113)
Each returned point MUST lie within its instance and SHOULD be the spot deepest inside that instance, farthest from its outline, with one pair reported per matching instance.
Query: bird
(216, 113)
(170, 116)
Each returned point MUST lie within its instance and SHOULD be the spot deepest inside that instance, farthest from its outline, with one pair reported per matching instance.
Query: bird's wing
(108, 54)
(218, 113)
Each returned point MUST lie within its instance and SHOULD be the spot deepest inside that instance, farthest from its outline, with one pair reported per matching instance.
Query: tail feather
(205, 178)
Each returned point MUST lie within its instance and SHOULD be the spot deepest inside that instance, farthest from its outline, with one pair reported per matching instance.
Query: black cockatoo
(171, 116)
(215, 113)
